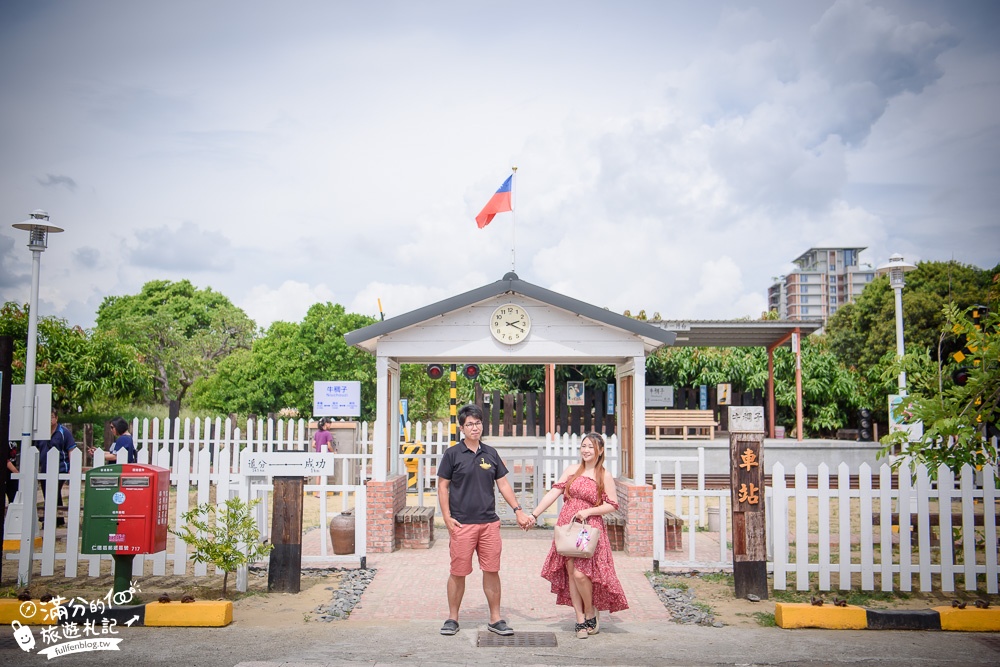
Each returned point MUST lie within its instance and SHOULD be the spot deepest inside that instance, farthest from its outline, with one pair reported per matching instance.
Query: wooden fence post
(284, 572)
(746, 445)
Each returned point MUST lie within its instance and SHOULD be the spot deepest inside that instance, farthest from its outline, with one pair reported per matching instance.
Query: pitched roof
(366, 338)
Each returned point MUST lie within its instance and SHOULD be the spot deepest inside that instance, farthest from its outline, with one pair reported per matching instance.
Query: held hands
(525, 520)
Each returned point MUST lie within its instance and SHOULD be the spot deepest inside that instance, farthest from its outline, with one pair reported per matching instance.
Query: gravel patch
(353, 583)
(681, 603)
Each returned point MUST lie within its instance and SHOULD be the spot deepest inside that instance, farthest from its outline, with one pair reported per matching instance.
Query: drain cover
(519, 639)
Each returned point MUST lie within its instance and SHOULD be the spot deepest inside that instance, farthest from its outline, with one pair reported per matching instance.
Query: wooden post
(284, 571)
(88, 441)
(746, 465)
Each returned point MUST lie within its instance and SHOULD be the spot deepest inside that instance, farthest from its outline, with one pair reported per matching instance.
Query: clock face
(510, 324)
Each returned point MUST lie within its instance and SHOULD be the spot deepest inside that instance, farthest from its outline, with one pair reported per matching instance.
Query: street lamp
(38, 228)
(895, 268)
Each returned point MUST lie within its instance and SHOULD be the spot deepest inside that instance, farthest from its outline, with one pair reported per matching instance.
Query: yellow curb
(213, 614)
(30, 612)
(970, 619)
(15, 545)
(801, 615)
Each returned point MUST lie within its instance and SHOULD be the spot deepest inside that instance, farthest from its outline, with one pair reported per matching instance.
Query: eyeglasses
(472, 425)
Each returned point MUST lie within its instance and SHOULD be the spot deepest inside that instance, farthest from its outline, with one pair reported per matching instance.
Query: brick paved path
(410, 585)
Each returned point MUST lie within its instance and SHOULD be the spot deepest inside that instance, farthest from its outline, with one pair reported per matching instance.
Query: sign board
(901, 421)
(746, 419)
(723, 393)
(659, 397)
(574, 392)
(42, 428)
(337, 399)
(611, 400)
(287, 464)
(703, 397)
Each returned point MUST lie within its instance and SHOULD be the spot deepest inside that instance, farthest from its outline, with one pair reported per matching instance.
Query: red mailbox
(125, 509)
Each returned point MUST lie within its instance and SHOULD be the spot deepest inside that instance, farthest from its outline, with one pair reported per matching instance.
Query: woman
(323, 442)
(123, 444)
(586, 584)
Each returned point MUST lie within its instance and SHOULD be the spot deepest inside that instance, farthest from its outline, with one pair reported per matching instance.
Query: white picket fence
(919, 506)
(202, 461)
(934, 532)
(815, 535)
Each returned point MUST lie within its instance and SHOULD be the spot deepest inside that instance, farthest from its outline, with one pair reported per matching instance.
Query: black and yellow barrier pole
(453, 404)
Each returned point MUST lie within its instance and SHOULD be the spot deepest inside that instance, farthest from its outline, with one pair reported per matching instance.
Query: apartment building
(826, 279)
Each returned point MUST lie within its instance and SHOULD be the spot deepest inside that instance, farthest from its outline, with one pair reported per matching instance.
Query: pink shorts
(484, 539)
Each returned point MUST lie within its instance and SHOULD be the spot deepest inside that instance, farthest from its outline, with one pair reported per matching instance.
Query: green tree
(956, 418)
(224, 536)
(183, 333)
(862, 333)
(279, 369)
(81, 366)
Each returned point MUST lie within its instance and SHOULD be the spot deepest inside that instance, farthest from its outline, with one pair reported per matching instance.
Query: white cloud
(288, 303)
(666, 152)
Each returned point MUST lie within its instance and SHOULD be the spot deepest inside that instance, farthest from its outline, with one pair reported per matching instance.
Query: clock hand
(514, 324)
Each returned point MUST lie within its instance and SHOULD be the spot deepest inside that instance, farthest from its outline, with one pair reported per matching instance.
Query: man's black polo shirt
(472, 476)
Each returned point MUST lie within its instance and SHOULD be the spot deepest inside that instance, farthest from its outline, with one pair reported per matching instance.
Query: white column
(380, 465)
(639, 419)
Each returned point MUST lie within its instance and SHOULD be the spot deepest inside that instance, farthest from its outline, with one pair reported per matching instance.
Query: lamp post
(895, 268)
(38, 228)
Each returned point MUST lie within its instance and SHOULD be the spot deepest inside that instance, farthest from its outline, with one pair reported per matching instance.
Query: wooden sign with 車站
(746, 443)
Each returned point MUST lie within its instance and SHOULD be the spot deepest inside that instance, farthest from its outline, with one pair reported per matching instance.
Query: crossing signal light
(470, 371)
(865, 425)
(435, 371)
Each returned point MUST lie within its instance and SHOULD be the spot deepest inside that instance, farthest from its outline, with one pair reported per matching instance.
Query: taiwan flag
(498, 203)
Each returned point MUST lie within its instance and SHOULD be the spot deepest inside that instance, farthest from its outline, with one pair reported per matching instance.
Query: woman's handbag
(576, 539)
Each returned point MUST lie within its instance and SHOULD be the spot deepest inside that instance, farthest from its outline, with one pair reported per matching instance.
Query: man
(62, 441)
(466, 477)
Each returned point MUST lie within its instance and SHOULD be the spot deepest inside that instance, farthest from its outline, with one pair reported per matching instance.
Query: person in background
(62, 441)
(323, 442)
(10, 489)
(123, 444)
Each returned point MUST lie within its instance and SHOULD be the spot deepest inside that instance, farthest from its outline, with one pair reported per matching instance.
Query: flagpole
(513, 220)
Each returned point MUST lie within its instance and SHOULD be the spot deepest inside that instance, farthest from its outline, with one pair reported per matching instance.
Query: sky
(671, 156)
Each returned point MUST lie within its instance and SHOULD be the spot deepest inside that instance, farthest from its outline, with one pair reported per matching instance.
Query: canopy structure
(770, 334)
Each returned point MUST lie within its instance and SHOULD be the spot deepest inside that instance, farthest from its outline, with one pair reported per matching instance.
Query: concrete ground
(402, 611)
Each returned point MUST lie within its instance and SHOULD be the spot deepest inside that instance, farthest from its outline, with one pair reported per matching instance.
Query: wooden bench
(415, 528)
(680, 424)
(673, 530)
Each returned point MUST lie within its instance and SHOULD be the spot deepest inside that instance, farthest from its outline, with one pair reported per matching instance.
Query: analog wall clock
(510, 324)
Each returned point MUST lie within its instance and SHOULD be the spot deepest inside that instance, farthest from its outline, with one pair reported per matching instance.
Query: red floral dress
(600, 568)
